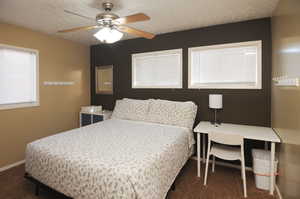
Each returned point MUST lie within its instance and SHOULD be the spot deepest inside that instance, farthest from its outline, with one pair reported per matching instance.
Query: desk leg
(198, 154)
(266, 145)
(272, 178)
(203, 148)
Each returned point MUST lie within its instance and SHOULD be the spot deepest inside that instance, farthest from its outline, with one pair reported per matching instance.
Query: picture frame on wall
(104, 79)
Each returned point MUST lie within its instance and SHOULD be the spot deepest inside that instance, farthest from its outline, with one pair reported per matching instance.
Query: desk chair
(222, 148)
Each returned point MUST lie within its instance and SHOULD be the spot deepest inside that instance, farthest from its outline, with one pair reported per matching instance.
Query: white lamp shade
(108, 35)
(216, 101)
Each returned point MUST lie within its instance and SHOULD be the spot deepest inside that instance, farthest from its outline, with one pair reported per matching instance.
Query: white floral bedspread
(111, 159)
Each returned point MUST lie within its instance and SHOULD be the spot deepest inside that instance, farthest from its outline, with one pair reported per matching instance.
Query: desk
(248, 132)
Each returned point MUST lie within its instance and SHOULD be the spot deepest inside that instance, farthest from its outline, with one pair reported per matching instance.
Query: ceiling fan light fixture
(111, 25)
(108, 35)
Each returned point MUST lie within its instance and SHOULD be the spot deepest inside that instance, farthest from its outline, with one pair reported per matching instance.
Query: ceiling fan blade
(132, 18)
(79, 15)
(136, 32)
(78, 28)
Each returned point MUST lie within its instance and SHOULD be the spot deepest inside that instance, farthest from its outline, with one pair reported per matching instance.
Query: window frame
(258, 85)
(178, 51)
(25, 104)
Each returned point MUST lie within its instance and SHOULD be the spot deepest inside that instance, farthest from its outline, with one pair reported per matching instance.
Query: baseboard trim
(12, 165)
(278, 192)
(225, 164)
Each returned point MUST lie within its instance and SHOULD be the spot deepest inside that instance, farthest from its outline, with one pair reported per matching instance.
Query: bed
(116, 158)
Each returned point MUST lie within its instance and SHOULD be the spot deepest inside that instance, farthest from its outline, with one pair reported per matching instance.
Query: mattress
(111, 159)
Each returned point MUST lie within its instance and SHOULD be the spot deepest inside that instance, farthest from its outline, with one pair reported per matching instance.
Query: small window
(18, 77)
(228, 66)
(160, 69)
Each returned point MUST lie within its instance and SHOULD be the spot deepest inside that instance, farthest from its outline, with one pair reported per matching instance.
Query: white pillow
(131, 109)
(175, 113)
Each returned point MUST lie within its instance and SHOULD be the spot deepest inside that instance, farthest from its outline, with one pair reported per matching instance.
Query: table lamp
(215, 102)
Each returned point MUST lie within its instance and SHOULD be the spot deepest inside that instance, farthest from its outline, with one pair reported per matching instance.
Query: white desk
(248, 132)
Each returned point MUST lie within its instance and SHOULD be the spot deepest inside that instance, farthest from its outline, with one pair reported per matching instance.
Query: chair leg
(244, 177)
(241, 172)
(213, 164)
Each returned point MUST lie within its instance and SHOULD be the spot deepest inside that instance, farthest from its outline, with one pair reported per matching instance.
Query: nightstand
(87, 118)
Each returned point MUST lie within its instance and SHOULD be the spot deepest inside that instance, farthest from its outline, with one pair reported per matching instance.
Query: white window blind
(161, 69)
(236, 65)
(18, 77)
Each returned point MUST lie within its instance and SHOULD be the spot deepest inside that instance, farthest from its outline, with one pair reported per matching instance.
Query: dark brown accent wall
(240, 106)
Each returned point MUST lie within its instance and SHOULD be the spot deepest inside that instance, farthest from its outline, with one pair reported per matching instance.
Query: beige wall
(286, 101)
(60, 60)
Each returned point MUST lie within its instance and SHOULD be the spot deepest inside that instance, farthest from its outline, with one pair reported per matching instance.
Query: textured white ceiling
(166, 15)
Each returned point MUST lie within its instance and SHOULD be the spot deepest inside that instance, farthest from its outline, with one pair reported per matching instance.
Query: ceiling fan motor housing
(106, 19)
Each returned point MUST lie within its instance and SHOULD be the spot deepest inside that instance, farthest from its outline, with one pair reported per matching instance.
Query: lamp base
(216, 124)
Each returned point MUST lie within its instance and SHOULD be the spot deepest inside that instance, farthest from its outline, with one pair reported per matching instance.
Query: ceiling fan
(112, 26)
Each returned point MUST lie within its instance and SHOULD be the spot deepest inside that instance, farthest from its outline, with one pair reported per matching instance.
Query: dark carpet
(225, 183)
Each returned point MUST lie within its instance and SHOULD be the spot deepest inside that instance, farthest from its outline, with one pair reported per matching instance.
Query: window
(228, 66)
(160, 69)
(18, 77)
